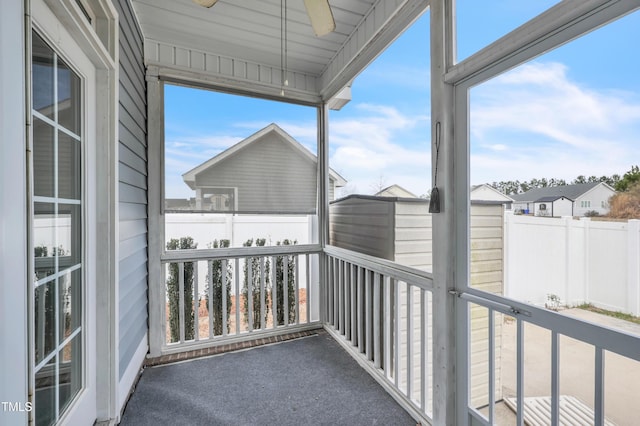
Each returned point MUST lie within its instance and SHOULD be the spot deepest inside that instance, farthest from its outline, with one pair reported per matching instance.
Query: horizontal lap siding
(132, 188)
(270, 176)
(363, 225)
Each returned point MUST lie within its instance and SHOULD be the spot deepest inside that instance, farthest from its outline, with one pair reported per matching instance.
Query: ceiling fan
(319, 12)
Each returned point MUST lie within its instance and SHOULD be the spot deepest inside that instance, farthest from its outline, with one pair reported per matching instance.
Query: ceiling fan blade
(205, 3)
(320, 16)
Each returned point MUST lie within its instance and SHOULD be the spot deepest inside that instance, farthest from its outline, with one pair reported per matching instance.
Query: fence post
(633, 266)
(568, 224)
(585, 259)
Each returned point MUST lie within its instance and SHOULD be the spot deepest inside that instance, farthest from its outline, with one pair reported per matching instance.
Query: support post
(450, 225)
(323, 201)
(633, 265)
(155, 136)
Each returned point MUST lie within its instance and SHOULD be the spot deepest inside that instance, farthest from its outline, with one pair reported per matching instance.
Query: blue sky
(572, 111)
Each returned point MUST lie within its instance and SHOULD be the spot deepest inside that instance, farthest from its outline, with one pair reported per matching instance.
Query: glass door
(57, 232)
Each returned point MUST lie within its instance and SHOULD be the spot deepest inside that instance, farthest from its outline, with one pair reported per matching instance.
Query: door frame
(68, 29)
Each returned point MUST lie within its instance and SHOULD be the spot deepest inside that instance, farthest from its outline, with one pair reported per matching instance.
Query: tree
(253, 264)
(626, 205)
(289, 270)
(173, 291)
(214, 279)
(629, 179)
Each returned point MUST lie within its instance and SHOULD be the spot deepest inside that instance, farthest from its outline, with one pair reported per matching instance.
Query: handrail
(610, 339)
(417, 277)
(237, 252)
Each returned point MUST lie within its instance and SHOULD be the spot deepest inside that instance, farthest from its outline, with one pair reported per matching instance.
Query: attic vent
(84, 10)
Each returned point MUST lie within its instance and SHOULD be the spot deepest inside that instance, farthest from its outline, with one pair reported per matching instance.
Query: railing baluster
(196, 303)
(598, 404)
(387, 327)
(396, 334)
(347, 301)
(249, 265)
(353, 335)
(308, 288)
(341, 296)
(376, 321)
(520, 371)
(262, 300)
(181, 299)
(296, 261)
(336, 292)
(555, 379)
(424, 319)
(361, 301)
(285, 288)
(367, 320)
(210, 304)
(236, 274)
(409, 339)
(223, 274)
(492, 366)
(274, 291)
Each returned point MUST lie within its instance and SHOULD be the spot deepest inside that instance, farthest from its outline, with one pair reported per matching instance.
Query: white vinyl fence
(205, 228)
(579, 261)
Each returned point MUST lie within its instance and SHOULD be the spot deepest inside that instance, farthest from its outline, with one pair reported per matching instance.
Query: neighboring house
(395, 191)
(267, 172)
(568, 200)
(486, 192)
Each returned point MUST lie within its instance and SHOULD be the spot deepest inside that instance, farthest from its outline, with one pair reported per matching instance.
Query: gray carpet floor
(308, 381)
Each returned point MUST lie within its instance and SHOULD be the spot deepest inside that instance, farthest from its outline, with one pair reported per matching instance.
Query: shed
(399, 229)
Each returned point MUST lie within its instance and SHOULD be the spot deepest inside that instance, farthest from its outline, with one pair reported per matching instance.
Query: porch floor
(310, 380)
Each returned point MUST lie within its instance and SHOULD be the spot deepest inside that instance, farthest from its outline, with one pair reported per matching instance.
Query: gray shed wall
(364, 225)
(132, 187)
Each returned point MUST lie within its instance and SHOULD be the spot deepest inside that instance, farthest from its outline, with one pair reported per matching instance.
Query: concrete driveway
(622, 375)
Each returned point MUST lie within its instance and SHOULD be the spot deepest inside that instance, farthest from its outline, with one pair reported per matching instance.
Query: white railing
(381, 313)
(240, 296)
(602, 340)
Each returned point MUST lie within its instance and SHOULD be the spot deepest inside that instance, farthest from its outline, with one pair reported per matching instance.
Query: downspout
(30, 379)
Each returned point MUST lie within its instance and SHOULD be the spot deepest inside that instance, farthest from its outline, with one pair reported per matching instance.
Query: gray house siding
(132, 187)
(270, 177)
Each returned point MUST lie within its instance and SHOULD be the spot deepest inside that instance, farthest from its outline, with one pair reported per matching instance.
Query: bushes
(173, 291)
(219, 282)
(291, 293)
(214, 278)
(256, 281)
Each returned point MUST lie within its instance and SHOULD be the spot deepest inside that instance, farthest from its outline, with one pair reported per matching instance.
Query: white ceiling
(250, 29)
(236, 44)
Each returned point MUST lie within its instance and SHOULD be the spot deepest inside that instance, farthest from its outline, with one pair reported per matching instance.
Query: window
(57, 232)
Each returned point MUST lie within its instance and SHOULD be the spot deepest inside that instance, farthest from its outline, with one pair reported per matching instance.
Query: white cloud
(381, 141)
(536, 122)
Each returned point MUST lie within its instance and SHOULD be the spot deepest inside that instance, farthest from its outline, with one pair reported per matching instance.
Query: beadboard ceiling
(249, 30)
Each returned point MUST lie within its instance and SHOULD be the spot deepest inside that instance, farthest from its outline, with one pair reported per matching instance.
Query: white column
(633, 265)
(450, 226)
(155, 135)
(13, 214)
(323, 199)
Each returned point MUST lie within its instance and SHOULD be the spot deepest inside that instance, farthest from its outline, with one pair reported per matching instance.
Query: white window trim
(99, 43)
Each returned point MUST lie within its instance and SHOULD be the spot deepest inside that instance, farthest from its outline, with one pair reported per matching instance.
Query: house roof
(395, 191)
(571, 192)
(190, 176)
(551, 198)
(499, 194)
